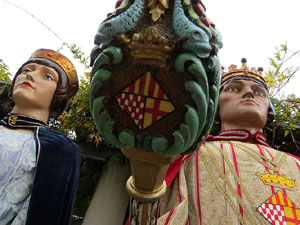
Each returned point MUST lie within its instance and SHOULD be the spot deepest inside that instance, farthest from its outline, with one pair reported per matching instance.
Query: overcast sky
(250, 28)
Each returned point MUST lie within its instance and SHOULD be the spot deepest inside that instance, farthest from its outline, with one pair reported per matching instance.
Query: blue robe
(57, 172)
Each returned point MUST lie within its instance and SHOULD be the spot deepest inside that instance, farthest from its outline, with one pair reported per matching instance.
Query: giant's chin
(25, 100)
(251, 118)
(20, 95)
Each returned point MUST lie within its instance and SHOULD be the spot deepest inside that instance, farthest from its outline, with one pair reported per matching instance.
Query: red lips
(25, 83)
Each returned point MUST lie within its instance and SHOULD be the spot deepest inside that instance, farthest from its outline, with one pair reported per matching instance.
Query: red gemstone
(118, 3)
(206, 21)
(199, 9)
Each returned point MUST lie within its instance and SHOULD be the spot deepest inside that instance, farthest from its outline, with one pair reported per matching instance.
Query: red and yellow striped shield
(145, 101)
(279, 209)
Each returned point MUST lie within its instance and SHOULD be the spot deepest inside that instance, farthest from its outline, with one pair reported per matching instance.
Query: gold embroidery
(212, 145)
(261, 159)
(273, 179)
(274, 165)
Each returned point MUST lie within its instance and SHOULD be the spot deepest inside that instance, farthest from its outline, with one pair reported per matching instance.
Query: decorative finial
(244, 63)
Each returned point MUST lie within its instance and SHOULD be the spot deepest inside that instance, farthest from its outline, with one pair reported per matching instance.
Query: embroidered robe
(223, 183)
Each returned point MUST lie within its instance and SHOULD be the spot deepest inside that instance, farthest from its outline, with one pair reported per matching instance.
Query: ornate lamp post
(154, 88)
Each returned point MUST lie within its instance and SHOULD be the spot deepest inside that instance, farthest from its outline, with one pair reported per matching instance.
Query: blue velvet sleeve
(55, 183)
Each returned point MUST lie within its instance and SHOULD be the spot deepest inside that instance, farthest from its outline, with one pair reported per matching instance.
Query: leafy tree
(5, 99)
(5, 75)
(284, 132)
(76, 122)
(280, 74)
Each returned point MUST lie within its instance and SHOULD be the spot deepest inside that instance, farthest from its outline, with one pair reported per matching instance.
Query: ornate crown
(64, 63)
(277, 181)
(149, 48)
(244, 71)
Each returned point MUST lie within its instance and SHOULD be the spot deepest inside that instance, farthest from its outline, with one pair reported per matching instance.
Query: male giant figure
(39, 167)
(235, 177)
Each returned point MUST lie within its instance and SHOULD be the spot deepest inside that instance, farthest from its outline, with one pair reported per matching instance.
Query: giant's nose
(30, 76)
(247, 92)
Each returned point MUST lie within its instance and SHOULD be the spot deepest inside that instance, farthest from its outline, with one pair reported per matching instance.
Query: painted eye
(259, 93)
(233, 89)
(26, 71)
(48, 77)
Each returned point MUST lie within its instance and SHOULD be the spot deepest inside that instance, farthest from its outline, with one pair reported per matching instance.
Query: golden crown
(244, 71)
(149, 48)
(64, 63)
(277, 181)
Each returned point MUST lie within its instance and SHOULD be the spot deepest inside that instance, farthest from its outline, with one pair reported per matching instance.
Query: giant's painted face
(244, 102)
(35, 86)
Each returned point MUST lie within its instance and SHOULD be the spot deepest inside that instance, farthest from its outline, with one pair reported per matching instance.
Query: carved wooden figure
(39, 167)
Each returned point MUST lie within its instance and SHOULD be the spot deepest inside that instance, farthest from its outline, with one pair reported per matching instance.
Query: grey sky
(251, 29)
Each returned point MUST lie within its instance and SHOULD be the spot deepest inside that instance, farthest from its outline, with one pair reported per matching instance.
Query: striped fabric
(218, 184)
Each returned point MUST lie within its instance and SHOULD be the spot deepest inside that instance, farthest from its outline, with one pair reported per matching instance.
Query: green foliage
(80, 55)
(287, 110)
(287, 117)
(6, 102)
(77, 122)
(280, 74)
(5, 75)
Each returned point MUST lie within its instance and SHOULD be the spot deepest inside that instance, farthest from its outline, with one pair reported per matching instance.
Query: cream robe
(220, 184)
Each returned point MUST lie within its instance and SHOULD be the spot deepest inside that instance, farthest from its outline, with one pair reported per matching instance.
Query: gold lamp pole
(146, 185)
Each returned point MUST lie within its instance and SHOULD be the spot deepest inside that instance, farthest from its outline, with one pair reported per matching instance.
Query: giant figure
(235, 177)
(39, 167)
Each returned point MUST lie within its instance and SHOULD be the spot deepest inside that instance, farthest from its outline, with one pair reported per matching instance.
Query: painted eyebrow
(233, 82)
(241, 83)
(258, 86)
(29, 66)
